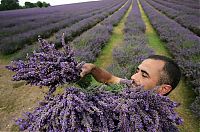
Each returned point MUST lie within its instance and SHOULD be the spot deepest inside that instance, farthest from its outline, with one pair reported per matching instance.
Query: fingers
(86, 69)
(82, 74)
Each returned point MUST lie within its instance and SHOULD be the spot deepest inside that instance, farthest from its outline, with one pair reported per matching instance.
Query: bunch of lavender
(74, 110)
(71, 111)
(136, 109)
(141, 110)
(132, 109)
(48, 66)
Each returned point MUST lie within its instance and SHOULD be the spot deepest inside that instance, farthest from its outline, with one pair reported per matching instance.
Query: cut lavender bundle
(132, 109)
(48, 66)
(69, 112)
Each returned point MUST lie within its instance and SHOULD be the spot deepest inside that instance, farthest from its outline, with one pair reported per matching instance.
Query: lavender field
(118, 34)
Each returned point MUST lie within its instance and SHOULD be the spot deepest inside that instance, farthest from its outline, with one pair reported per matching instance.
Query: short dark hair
(171, 72)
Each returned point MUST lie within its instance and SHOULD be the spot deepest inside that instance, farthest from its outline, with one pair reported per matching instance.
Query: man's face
(148, 73)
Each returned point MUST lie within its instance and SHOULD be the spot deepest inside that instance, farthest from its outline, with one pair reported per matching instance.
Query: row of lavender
(21, 24)
(14, 14)
(24, 22)
(190, 19)
(181, 8)
(20, 40)
(128, 56)
(19, 17)
(85, 24)
(189, 3)
(88, 46)
(183, 45)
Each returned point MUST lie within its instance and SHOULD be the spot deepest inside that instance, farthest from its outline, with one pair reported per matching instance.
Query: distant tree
(9, 4)
(45, 4)
(14, 4)
(30, 5)
(39, 4)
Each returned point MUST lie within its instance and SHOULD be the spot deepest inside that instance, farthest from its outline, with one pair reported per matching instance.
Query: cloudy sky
(55, 2)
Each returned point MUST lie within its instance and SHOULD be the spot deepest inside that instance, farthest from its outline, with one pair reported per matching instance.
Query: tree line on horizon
(14, 4)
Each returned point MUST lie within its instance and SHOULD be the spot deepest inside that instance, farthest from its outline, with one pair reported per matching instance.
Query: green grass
(183, 93)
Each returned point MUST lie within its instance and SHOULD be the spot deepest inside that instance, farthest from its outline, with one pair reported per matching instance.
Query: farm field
(115, 35)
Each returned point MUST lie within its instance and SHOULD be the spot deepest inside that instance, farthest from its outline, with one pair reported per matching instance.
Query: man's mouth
(135, 84)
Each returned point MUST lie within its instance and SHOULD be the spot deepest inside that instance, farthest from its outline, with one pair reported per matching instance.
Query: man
(154, 71)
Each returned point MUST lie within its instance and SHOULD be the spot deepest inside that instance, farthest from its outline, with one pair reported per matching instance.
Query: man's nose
(134, 77)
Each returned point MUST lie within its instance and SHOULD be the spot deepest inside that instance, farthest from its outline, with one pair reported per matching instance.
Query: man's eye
(143, 75)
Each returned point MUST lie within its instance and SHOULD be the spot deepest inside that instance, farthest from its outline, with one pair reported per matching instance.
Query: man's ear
(164, 89)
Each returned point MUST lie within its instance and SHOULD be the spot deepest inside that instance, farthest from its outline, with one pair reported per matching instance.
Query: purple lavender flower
(48, 66)
(131, 109)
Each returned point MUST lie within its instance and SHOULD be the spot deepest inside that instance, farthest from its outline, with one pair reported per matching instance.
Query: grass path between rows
(183, 93)
(106, 57)
(116, 39)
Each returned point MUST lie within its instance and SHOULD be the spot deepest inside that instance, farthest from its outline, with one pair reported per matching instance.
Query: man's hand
(99, 74)
(86, 69)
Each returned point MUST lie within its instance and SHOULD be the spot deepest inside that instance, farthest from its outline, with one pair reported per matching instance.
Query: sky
(54, 2)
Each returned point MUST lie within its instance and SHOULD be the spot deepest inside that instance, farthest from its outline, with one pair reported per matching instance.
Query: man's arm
(99, 74)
